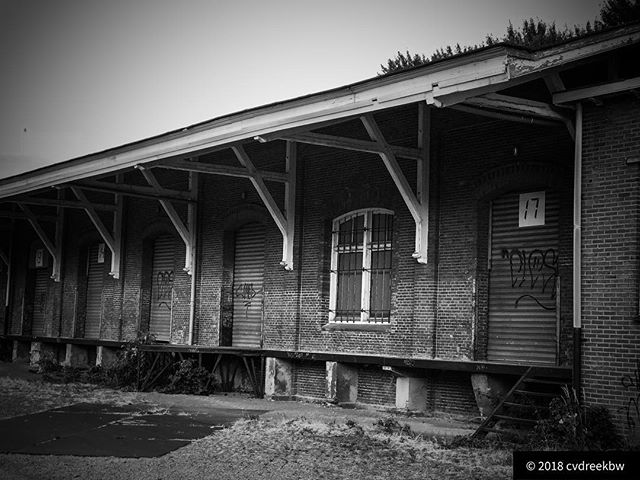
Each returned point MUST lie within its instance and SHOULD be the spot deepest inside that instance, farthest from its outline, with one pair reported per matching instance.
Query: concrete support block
(40, 351)
(342, 383)
(76, 356)
(278, 383)
(411, 393)
(488, 389)
(21, 351)
(106, 356)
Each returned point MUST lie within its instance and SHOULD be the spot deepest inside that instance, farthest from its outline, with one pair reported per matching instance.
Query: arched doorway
(248, 285)
(523, 278)
(162, 276)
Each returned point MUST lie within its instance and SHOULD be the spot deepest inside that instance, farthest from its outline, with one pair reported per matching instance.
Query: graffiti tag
(536, 271)
(164, 288)
(631, 384)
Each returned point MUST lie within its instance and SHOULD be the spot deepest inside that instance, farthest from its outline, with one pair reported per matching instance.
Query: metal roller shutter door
(162, 288)
(95, 283)
(39, 302)
(522, 292)
(248, 275)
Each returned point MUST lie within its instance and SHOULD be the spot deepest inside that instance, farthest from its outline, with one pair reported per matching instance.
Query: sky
(81, 76)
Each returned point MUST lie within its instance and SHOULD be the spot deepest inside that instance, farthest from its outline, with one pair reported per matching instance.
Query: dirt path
(292, 441)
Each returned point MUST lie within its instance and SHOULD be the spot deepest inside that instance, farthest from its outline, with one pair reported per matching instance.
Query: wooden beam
(22, 216)
(261, 188)
(393, 167)
(516, 105)
(595, 91)
(132, 190)
(504, 116)
(290, 205)
(192, 222)
(118, 220)
(52, 202)
(59, 242)
(223, 170)
(169, 209)
(554, 83)
(174, 216)
(49, 245)
(423, 182)
(350, 144)
(95, 218)
(4, 256)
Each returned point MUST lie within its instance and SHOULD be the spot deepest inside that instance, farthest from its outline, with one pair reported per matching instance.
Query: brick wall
(376, 387)
(610, 254)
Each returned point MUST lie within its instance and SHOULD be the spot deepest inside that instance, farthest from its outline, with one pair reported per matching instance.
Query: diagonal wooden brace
(418, 206)
(53, 249)
(185, 231)
(285, 225)
(113, 240)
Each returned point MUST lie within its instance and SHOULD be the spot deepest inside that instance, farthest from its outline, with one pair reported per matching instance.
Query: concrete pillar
(342, 383)
(411, 393)
(76, 356)
(40, 351)
(21, 351)
(278, 382)
(488, 389)
(106, 356)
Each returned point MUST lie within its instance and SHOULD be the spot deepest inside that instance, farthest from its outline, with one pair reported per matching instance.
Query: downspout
(194, 224)
(577, 254)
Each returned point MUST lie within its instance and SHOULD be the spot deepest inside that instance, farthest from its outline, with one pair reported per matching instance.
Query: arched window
(361, 267)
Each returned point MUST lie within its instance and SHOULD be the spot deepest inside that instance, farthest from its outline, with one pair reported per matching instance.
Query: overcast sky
(80, 76)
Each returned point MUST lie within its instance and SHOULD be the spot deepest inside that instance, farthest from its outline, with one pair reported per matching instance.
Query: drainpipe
(577, 254)
(192, 214)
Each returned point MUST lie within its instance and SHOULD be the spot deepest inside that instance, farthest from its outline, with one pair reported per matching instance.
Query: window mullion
(366, 268)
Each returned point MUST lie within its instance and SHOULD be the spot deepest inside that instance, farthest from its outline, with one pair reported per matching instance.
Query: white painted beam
(261, 188)
(173, 215)
(423, 182)
(350, 144)
(48, 244)
(51, 202)
(192, 221)
(516, 105)
(132, 190)
(596, 91)
(393, 167)
(290, 206)
(95, 219)
(224, 170)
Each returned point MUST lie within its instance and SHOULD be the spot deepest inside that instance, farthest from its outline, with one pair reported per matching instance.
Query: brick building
(415, 240)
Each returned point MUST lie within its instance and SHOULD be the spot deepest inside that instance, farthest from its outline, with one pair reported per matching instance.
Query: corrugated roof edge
(381, 79)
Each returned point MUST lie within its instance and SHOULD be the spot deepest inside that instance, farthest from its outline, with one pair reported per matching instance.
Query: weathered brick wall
(309, 379)
(610, 226)
(376, 387)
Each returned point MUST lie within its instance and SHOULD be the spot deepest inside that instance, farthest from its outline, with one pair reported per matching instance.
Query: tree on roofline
(532, 34)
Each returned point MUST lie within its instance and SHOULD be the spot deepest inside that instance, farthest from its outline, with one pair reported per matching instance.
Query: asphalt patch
(97, 430)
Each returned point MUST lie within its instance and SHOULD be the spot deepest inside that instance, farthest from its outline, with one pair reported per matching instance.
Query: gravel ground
(294, 441)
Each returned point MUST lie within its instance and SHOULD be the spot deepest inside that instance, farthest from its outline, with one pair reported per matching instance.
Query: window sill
(358, 327)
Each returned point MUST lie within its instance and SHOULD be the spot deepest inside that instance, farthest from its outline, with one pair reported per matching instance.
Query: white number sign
(532, 206)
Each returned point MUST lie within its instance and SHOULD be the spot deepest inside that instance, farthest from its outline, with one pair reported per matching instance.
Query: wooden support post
(173, 215)
(59, 238)
(290, 206)
(415, 207)
(424, 175)
(49, 245)
(192, 218)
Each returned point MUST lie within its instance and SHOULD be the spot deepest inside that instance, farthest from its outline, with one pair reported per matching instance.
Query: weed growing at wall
(572, 426)
(189, 378)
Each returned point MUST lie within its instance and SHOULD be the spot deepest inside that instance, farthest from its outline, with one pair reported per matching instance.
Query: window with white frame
(361, 267)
